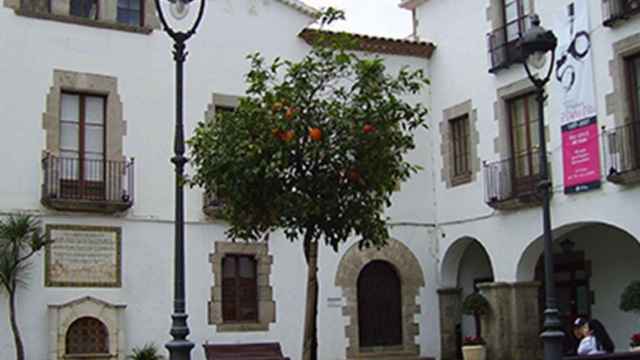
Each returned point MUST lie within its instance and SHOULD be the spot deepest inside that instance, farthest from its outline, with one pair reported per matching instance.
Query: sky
(372, 17)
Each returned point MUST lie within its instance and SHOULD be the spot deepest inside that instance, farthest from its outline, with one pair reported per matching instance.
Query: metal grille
(87, 336)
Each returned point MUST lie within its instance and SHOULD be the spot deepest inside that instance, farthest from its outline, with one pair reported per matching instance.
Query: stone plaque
(83, 256)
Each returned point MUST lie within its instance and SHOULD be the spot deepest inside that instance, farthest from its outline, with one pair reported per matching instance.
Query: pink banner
(581, 155)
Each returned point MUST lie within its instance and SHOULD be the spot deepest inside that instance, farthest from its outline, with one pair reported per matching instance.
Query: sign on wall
(578, 116)
(83, 256)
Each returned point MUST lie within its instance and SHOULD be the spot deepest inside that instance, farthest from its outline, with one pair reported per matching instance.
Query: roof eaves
(411, 4)
(302, 7)
(375, 44)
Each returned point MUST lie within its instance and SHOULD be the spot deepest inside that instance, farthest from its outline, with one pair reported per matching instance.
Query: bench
(257, 351)
(613, 356)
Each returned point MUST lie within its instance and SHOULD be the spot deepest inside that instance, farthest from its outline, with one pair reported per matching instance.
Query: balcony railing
(212, 205)
(512, 183)
(87, 185)
(622, 153)
(618, 10)
(503, 41)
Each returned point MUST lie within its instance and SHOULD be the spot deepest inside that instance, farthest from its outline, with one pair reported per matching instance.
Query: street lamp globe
(179, 9)
(536, 43)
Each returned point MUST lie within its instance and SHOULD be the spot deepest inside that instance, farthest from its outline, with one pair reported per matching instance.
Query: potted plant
(473, 347)
(630, 302)
(635, 342)
(147, 352)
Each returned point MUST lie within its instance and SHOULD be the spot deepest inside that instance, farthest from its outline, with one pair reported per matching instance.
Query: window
(239, 289)
(509, 21)
(87, 335)
(525, 142)
(633, 70)
(633, 66)
(82, 134)
(514, 12)
(130, 12)
(459, 130)
(84, 8)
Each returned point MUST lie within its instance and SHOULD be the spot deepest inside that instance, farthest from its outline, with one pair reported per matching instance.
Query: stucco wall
(143, 66)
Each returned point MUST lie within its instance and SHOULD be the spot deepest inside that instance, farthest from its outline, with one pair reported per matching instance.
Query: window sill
(460, 179)
(88, 356)
(93, 206)
(85, 22)
(242, 327)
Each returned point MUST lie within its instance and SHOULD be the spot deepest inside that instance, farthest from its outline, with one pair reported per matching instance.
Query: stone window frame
(617, 102)
(212, 206)
(62, 316)
(446, 144)
(502, 142)
(107, 14)
(115, 126)
(408, 269)
(495, 12)
(266, 303)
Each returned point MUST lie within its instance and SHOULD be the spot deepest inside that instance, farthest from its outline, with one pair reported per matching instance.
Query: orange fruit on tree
(291, 112)
(288, 135)
(315, 134)
(277, 106)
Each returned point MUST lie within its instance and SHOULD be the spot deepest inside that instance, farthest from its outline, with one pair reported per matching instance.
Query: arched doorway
(593, 263)
(379, 305)
(466, 264)
(394, 264)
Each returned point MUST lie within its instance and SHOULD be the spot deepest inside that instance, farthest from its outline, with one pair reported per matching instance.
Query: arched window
(87, 335)
(379, 305)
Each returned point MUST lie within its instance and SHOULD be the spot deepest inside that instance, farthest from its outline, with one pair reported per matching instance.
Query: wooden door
(379, 305)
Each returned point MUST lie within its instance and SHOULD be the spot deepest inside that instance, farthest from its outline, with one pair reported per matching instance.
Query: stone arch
(593, 263)
(63, 316)
(452, 259)
(411, 278)
(530, 255)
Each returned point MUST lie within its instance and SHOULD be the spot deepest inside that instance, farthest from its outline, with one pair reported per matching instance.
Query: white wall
(459, 71)
(31, 49)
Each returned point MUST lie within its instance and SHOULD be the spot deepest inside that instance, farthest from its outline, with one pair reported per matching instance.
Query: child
(595, 339)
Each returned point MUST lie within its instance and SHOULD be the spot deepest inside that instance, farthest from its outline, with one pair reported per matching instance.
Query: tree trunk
(14, 326)
(310, 342)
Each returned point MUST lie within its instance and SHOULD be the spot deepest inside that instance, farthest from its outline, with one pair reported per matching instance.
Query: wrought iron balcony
(502, 42)
(622, 153)
(72, 184)
(512, 183)
(212, 205)
(615, 11)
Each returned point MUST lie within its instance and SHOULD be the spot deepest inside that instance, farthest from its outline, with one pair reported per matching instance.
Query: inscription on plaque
(83, 256)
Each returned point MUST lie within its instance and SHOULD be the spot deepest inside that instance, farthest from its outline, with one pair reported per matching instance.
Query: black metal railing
(87, 180)
(616, 10)
(513, 178)
(622, 149)
(212, 204)
(503, 41)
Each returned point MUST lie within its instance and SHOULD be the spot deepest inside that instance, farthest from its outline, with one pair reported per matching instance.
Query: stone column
(526, 340)
(450, 316)
(511, 329)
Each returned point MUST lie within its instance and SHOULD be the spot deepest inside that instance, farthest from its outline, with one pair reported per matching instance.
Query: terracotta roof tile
(382, 45)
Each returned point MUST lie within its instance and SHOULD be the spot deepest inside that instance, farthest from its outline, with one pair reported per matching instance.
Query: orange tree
(316, 148)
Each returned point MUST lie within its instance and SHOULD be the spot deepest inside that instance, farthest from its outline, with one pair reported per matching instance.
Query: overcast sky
(373, 17)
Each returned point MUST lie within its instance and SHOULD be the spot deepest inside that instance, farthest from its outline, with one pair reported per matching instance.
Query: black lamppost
(534, 46)
(180, 347)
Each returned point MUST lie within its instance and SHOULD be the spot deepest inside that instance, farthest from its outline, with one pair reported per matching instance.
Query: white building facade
(88, 94)
(98, 80)
(489, 218)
